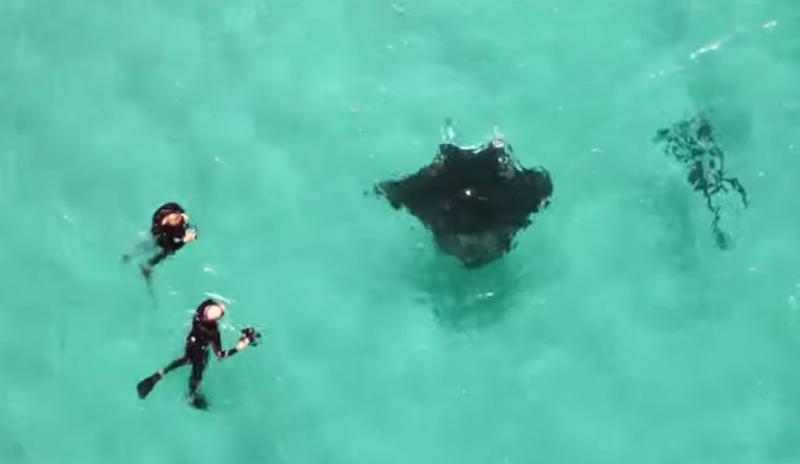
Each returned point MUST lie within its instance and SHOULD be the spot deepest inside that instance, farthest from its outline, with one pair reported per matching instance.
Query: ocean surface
(615, 332)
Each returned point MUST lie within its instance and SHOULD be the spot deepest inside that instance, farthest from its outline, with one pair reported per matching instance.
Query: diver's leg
(160, 256)
(199, 363)
(146, 385)
(140, 248)
(147, 268)
(174, 365)
(196, 377)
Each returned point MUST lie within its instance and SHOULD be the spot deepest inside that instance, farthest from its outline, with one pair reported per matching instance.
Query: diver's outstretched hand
(190, 236)
(250, 337)
(251, 334)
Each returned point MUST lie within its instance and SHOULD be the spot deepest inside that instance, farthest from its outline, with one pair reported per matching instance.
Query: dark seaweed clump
(692, 143)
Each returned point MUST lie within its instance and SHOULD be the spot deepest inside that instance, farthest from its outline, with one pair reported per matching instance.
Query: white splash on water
(209, 270)
(769, 24)
(712, 47)
(219, 297)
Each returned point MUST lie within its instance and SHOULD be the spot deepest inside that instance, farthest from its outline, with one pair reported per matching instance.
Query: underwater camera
(251, 334)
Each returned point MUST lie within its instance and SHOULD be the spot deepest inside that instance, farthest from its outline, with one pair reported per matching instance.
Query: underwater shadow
(474, 202)
(463, 299)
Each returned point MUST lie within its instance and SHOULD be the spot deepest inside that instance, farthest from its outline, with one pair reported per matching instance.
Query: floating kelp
(473, 199)
(692, 143)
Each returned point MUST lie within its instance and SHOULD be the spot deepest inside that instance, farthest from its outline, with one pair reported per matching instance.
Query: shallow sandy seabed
(614, 333)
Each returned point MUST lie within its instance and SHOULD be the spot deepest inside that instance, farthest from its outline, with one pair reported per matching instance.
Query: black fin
(146, 386)
(198, 401)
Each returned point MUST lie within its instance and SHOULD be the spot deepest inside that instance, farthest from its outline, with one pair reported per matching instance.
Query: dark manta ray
(473, 200)
(692, 143)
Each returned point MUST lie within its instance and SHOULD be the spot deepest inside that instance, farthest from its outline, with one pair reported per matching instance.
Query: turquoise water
(615, 333)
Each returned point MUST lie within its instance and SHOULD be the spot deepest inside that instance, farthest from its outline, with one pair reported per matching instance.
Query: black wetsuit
(168, 238)
(203, 334)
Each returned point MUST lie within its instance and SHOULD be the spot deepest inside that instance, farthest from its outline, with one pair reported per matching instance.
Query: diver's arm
(244, 342)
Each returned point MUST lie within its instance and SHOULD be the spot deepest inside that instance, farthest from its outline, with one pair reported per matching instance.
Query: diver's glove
(191, 232)
(252, 335)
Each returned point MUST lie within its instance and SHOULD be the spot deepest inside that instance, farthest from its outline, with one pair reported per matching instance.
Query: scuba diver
(170, 231)
(205, 332)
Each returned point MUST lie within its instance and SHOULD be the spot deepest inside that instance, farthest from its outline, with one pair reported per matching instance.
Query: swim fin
(198, 401)
(146, 386)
